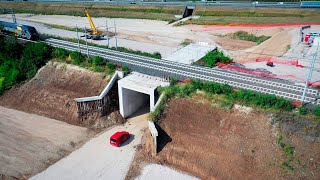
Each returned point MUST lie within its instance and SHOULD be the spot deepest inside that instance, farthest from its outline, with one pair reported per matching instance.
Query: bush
(156, 55)
(12, 48)
(187, 89)
(77, 58)
(317, 111)
(111, 66)
(98, 61)
(97, 69)
(303, 110)
(125, 69)
(261, 100)
(60, 53)
(173, 81)
(197, 84)
(213, 57)
(1, 85)
(37, 53)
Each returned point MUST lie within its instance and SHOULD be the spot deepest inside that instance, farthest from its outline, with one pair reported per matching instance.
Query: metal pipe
(78, 39)
(86, 37)
(115, 34)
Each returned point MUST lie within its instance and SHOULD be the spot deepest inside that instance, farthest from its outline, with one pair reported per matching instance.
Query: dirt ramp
(52, 91)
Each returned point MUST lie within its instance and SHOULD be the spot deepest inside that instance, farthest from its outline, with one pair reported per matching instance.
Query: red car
(119, 137)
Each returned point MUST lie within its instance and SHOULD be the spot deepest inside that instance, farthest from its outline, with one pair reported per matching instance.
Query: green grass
(243, 35)
(291, 163)
(246, 14)
(64, 27)
(224, 15)
(229, 96)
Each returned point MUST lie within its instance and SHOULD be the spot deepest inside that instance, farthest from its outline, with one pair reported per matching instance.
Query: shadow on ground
(128, 141)
(163, 138)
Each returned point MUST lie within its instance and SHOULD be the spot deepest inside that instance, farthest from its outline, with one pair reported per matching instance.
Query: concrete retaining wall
(152, 128)
(105, 91)
(132, 101)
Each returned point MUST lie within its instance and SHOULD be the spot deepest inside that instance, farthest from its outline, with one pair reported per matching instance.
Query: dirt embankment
(52, 91)
(214, 143)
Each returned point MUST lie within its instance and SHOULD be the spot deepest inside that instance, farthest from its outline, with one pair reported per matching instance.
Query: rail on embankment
(97, 103)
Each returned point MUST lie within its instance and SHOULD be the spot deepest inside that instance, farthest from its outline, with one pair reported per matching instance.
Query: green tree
(1, 85)
(11, 47)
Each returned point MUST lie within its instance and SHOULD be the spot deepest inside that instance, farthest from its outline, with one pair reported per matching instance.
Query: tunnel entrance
(137, 93)
(188, 11)
(134, 103)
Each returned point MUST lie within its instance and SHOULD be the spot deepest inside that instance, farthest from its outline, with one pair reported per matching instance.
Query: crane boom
(93, 27)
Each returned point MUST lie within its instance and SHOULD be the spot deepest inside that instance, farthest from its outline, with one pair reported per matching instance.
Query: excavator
(93, 33)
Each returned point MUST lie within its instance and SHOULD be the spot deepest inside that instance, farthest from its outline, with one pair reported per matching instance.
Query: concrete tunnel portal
(136, 91)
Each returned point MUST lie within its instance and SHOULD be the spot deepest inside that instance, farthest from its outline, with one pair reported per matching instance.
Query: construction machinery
(93, 33)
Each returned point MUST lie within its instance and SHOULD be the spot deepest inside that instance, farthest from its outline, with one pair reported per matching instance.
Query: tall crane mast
(94, 33)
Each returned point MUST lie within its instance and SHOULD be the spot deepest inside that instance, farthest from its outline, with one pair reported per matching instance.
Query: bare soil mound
(214, 143)
(52, 91)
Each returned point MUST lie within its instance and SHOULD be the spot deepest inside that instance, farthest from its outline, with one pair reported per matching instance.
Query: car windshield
(113, 140)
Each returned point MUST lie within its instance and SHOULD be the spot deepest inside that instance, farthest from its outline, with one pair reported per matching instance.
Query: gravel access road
(97, 159)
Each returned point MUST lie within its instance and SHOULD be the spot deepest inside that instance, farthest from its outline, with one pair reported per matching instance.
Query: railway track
(166, 68)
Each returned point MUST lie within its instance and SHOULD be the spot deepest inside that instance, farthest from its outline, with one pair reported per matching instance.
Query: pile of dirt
(52, 91)
(214, 143)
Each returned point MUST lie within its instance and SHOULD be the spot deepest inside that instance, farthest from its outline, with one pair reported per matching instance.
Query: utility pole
(108, 39)
(78, 39)
(310, 73)
(14, 17)
(115, 34)
(85, 31)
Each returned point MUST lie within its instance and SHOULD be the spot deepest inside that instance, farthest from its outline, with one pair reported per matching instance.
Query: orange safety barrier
(273, 60)
(232, 67)
(249, 26)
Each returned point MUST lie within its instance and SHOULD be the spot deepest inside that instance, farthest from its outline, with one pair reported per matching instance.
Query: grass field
(208, 15)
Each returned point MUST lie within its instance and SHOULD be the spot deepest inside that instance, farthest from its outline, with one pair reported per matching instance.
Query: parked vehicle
(118, 138)
(19, 30)
(270, 64)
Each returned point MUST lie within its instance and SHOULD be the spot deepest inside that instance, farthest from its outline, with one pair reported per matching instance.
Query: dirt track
(29, 143)
(52, 91)
(213, 143)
